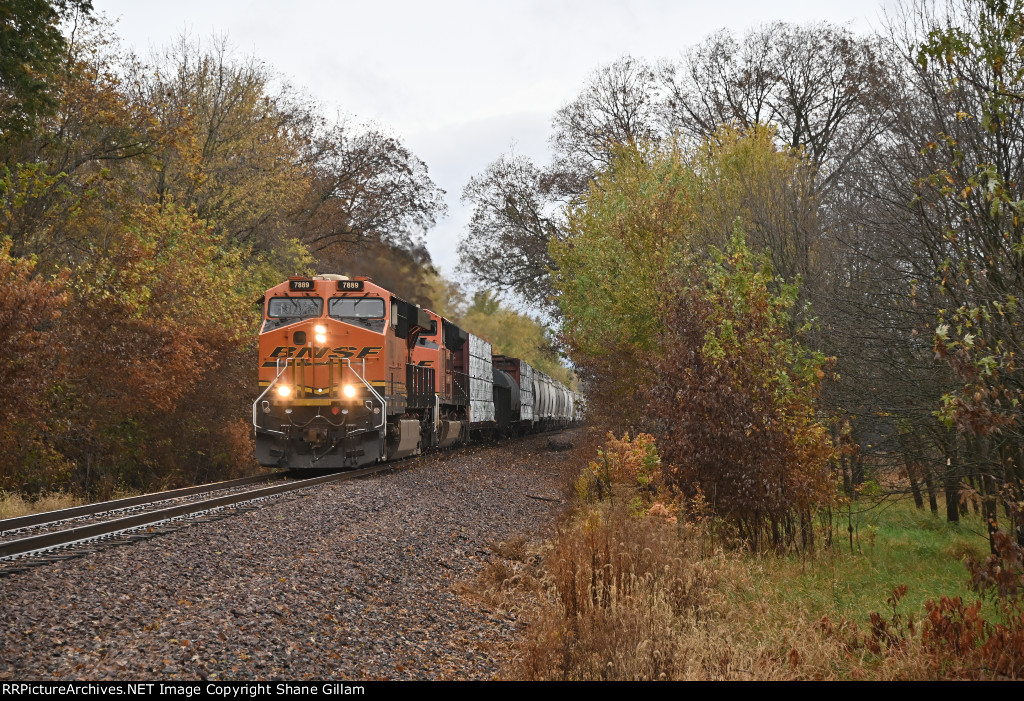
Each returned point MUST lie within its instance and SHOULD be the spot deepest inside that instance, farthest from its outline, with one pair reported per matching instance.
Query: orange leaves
(951, 628)
(962, 643)
(29, 307)
(954, 641)
(629, 462)
(146, 321)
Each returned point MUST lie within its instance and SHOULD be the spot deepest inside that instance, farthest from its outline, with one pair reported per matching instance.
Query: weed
(12, 504)
(638, 585)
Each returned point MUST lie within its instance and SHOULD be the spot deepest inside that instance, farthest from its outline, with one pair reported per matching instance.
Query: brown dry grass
(12, 505)
(619, 598)
(623, 597)
(620, 595)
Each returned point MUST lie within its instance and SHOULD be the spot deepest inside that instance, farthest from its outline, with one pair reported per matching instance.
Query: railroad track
(61, 540)
(46, 518)
(35, 539)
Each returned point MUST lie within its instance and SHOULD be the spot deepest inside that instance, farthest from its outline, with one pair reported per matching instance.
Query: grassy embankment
(627, 590)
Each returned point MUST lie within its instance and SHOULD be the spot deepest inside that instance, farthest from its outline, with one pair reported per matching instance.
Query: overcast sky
(459, 82)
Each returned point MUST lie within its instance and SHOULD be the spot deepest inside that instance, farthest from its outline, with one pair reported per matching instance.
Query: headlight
(349, 391)
(320, 328)
(321, 338)
(284, 391)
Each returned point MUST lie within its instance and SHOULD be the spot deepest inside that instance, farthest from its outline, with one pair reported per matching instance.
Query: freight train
(352, 374)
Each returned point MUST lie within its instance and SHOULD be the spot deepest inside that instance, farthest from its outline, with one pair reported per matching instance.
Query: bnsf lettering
(321, 351)
(314, 352)
(426, 363)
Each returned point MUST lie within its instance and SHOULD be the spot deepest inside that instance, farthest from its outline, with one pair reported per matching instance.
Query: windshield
(356, 308)
(295, 307)
(282, 311)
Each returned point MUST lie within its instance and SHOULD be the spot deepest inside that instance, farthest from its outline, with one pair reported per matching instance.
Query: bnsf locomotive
(352, 375)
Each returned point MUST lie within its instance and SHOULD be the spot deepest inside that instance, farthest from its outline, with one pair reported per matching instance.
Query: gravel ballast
(358, 580)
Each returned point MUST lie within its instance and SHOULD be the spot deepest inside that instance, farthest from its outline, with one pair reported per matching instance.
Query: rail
(76, 534)
(18, 522)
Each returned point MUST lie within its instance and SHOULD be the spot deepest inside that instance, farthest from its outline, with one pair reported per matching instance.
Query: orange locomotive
(352, 374)
(440, 348)
(339, 388)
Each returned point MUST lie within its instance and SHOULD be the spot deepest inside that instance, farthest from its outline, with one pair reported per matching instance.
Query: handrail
(282, 368)
(280, 371)
(383, 402)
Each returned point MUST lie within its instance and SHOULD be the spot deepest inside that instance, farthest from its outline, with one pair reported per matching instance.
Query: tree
(367, 187)
(619, 105)
(974, 201)
(230, 146)
(647, 211)
(518, 206)
(30, 306)
(921, 239)
(623, 239)
(744, 173)
(65, 186)
(506, 243)
(31, 50)
(697, 346)
(160, 315)
(824, 90)
(732, 400)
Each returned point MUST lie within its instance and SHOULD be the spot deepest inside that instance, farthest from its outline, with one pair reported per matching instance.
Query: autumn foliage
(733, 402)
(141, 217)
(634, 463)
(683, 332)
(954, 640)
(30, 363)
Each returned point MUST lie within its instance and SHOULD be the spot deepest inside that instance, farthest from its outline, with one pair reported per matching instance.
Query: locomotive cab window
(364, 311)
(282, 311)
(427, 335)
(356, 308)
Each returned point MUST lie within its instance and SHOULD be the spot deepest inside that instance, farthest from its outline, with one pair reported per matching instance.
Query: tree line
(794, 256)
(145, 204)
